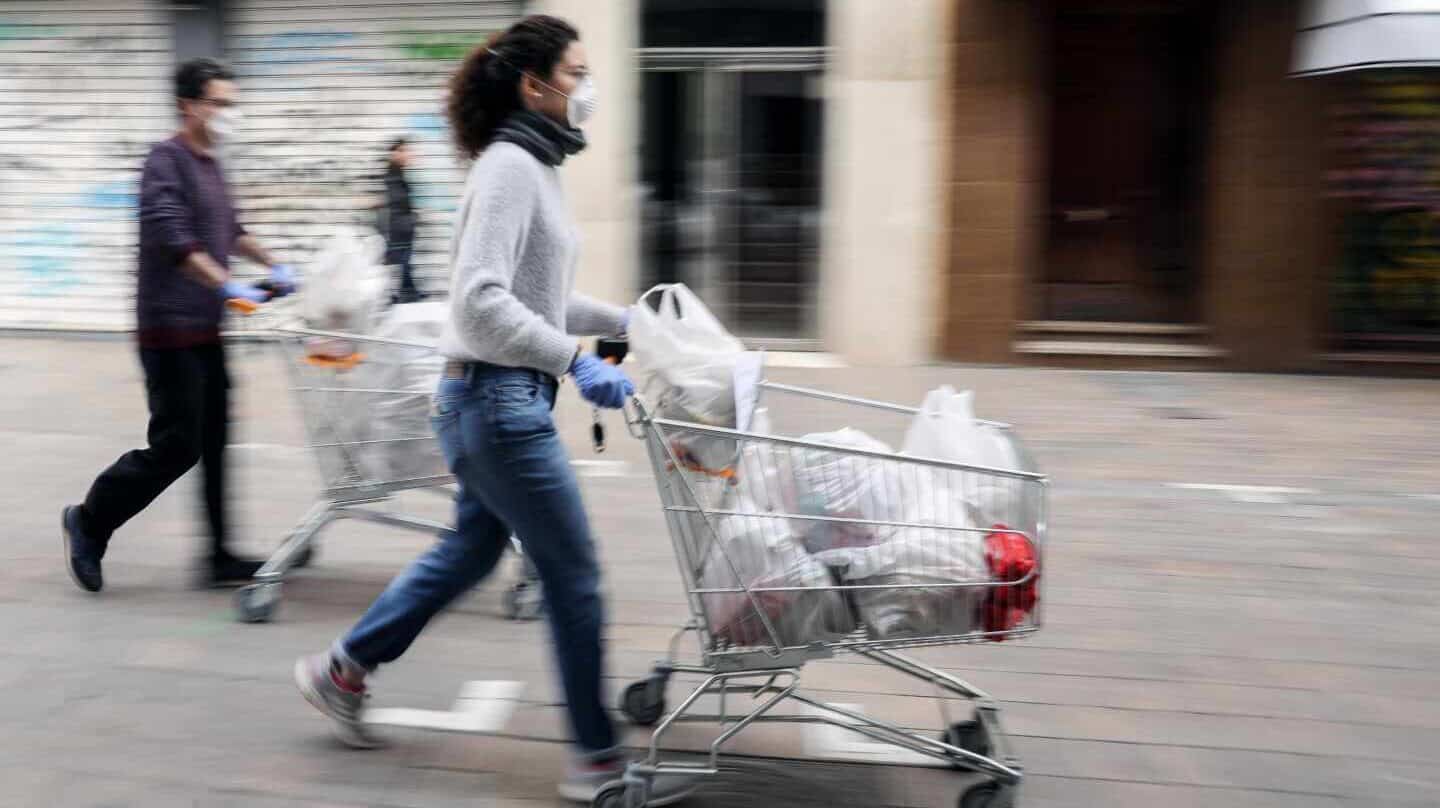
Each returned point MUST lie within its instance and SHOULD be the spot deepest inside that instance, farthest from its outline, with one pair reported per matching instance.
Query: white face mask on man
(221, 126)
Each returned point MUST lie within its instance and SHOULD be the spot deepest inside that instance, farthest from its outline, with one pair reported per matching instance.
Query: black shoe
(228, 570)
(82, 554)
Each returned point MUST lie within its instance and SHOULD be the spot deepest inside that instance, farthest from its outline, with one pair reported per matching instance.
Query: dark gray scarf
(547, 140)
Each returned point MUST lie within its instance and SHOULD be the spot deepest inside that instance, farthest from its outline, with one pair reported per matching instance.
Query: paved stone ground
(1203, 646)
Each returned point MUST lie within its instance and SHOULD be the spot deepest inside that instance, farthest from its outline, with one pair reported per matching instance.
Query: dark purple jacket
(184, 206)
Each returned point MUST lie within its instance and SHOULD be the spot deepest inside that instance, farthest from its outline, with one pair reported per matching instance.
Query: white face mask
(222, 125)
(580, 105)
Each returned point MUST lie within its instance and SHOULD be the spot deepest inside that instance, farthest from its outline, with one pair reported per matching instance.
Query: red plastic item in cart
(1011, 557)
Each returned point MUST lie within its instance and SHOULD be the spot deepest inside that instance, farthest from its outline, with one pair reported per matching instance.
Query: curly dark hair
(486, 88)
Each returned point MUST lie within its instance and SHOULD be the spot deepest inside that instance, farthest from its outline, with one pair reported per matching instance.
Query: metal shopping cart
(364, 401)
(901, 559)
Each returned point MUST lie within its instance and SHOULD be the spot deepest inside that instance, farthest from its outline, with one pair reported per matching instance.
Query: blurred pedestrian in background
(188, 231)
(516, 108)
(397, 221)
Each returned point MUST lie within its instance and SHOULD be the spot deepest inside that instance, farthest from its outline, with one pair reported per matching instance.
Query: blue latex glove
(601, 383)
(235, 290)
(283, 279)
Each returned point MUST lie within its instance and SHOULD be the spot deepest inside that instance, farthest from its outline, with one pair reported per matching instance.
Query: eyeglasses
(221, 103)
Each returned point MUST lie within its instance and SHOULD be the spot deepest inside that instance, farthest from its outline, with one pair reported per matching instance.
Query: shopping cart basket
(371, 438)
(927, 585)
(369, 432)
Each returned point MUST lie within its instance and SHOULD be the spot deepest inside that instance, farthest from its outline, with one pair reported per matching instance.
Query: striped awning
(1340, 35)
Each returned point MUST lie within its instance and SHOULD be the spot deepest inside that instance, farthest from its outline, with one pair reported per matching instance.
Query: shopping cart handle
(611, 352)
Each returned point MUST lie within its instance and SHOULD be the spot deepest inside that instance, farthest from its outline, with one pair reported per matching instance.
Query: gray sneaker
(346, 709)
(583, 782)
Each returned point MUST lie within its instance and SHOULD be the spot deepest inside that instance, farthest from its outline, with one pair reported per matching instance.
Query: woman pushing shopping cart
(791, 550)
(516, 107)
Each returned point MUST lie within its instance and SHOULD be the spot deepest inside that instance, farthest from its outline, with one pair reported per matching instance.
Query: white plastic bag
(932, 561)
(840, 485)
(399, 419)
(345, 285)
(829, 484)
(693, 370)
(946, 429)
(758, 552)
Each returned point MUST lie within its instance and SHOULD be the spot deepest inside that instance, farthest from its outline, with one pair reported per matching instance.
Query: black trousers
(399, 254)
(188, 390)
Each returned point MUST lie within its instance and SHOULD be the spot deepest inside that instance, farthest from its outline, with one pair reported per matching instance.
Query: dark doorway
(731, 152)
(1126, 151)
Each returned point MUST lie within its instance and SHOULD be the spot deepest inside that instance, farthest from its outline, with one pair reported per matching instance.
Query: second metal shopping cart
(799, 550)
(365, 403)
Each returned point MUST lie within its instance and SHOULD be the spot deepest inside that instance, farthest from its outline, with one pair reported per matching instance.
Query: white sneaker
(345, 708)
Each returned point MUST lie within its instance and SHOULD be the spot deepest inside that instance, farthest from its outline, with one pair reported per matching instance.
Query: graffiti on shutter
(325, 91)
(84, 91)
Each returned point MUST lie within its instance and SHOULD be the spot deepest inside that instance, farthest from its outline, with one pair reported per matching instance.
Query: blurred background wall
(1244, 184)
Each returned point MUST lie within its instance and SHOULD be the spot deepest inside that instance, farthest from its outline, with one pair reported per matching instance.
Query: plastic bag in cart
(840, 485)
(693, 370)
(946, 429)
(345, 286)
(398, 420)
(1011, 559)
(758, 552)
(920, 576)
(831, 484)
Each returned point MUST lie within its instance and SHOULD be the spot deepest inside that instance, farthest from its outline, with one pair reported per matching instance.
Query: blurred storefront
(1163, 183)
(326, 87)
(1242, 184)
(731, 159)
(84, 89)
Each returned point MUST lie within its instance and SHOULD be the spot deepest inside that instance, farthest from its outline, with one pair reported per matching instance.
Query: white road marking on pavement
(264, 447)
(601, 468)
(803, 359)
(837, 743)
(1266, 494)
(482, 707)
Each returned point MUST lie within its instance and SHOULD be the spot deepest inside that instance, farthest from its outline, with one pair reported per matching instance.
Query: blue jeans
(498, 434)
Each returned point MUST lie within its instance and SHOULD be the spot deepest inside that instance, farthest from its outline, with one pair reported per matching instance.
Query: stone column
(886, 96)
(601, 182)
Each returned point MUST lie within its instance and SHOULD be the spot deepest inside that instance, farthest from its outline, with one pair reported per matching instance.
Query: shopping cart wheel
(968, 735)
(989, 794)
(523, 601)
(256, 603)
(610, 796)
(644, 701)
(632, 792)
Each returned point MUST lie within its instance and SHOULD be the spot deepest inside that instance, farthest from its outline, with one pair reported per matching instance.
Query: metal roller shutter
(84, 91)
(325, 87)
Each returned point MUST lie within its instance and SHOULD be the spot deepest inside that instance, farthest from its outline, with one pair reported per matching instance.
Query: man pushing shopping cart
(188, 232)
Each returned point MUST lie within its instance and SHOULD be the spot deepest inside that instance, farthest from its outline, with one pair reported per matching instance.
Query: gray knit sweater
(513, 259)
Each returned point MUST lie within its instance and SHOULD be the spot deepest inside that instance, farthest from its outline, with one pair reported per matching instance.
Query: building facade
(1105, 183)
